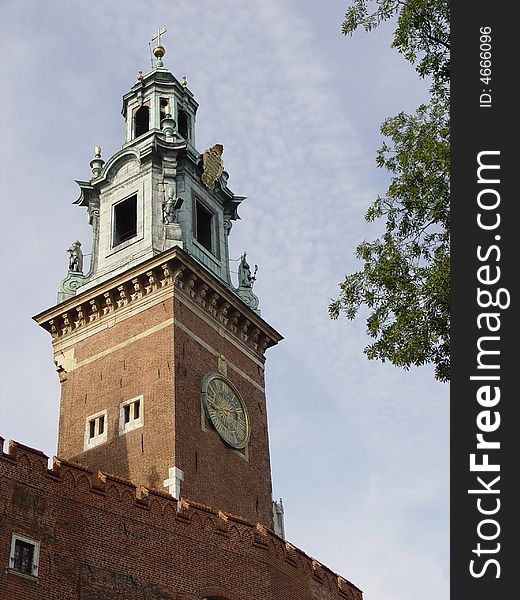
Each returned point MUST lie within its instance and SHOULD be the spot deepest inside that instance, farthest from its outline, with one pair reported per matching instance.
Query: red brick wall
(99, 541)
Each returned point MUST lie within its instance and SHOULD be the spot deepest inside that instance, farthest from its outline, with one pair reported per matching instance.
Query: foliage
(422, 32)
(406, 274)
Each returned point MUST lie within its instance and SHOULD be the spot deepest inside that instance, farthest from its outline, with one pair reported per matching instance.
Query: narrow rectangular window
(125, 220)
(23, 557)
(96, 430)
(25, 554)
(183, 124)
(164, 108)
(204, 232)
(131, 415)
(141, 120)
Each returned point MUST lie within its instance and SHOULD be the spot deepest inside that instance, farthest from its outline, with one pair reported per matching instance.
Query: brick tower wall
(214, 473)
(158, 347)
(125, 358)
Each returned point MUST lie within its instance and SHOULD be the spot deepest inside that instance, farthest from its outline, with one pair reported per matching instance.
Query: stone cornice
(173, 268)
(162, 79)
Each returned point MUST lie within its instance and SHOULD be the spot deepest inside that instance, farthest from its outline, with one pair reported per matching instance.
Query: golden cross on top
(158, 36)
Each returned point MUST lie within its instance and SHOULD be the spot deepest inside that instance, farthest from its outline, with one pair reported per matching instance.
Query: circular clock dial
(226, 411)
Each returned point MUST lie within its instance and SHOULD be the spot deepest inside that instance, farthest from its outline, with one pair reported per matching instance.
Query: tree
(406, 274)
(422, 33)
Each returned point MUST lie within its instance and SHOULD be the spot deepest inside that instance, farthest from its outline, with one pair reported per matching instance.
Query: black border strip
(484, 126)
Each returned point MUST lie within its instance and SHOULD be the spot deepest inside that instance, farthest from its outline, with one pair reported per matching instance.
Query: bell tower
(160, 357)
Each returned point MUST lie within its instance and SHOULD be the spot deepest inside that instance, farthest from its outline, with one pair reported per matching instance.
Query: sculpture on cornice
(75, 277)
(75, 257)
(245, 284)
(245, 279)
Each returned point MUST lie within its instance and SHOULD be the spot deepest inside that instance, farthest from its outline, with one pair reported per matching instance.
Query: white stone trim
(173, 483)
(74, 364)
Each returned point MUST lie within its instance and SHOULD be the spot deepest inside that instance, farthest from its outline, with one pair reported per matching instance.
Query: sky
(359, 449)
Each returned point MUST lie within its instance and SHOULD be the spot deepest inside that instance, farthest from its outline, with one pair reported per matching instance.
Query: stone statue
(245, 284)
(75, 277)
(170, 207)
(75, 257)
(245, 279)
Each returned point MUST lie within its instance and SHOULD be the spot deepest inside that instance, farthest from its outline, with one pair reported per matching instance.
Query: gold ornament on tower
(212, 165)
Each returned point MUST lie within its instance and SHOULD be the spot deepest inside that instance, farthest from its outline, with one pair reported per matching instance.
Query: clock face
(226, 410)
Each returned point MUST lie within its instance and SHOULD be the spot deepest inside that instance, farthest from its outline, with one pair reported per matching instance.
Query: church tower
(160, 357)
(161, 488)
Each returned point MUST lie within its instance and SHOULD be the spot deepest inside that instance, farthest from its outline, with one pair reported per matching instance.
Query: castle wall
(101, 538)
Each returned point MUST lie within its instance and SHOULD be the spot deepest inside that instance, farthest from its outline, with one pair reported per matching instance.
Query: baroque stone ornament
(70, 284)
(245, 284)
(75, 277)
(212, 165)
(75, 257)
(226, 410)
(168, 126)
(73, 318)
(96, 164)
(171, 206)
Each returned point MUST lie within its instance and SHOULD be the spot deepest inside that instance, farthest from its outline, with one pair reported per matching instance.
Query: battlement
(185, 530)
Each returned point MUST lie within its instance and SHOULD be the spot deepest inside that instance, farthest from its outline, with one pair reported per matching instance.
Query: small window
(125, 220)
(96, 430)
(164, 108)
(183, 124)
(204, 226)
(25, 555)
(131, 415)
(141, 121)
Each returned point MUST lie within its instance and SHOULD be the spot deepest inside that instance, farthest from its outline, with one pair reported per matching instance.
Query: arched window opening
(184, 124)
(164, 108)
(141, 121)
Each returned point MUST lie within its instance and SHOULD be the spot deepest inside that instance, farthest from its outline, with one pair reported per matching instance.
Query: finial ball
(159, 51)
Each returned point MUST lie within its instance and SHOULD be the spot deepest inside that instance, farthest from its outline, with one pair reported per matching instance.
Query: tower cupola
(155, 100)
(158, 191)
